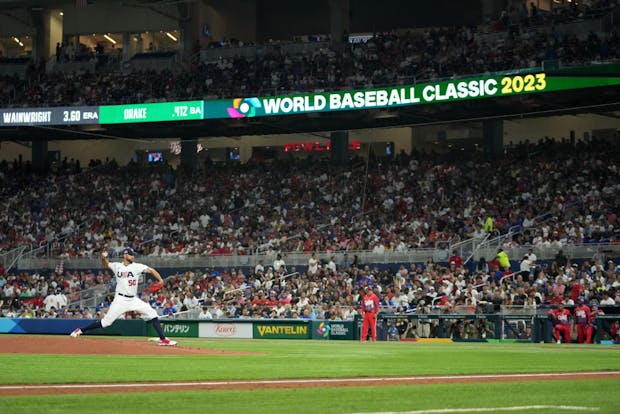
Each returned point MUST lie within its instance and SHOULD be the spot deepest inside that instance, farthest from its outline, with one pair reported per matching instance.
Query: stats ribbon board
(151, 112)
(60, 115)
(519, 82)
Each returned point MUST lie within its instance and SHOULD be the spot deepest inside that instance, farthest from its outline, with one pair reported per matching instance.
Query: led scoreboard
(527, 81)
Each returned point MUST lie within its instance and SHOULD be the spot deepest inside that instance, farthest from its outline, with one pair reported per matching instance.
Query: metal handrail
(10, 258)
(577, 251)
(475, 243)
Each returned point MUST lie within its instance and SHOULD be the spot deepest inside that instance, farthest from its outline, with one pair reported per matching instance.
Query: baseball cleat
(76, 333)
(167, 342)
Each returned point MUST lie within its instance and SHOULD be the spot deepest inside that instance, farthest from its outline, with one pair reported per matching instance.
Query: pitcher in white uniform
(126, 298)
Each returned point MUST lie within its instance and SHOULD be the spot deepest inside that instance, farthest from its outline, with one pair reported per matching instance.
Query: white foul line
(305, 381)
(492, 409)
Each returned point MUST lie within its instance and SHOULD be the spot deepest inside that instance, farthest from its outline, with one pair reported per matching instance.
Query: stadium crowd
(555, 192)
(332, 291)
(386, 59)
(530, 15)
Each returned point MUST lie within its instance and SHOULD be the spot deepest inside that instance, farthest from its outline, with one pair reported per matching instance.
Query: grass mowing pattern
(308, 359)
(592, 393)
(311, 359)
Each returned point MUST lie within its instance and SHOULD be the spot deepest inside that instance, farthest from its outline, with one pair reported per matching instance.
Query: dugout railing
(489, 328)
(486, 327)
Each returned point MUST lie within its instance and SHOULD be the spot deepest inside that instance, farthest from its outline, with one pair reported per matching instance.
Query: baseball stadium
(336, 206)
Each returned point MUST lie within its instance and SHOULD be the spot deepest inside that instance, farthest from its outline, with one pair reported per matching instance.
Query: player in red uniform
(561, 323)
(582, 317)
(614, 330)
(370, 308)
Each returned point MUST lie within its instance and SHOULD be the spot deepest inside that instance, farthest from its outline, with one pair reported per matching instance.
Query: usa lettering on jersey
(127, 276)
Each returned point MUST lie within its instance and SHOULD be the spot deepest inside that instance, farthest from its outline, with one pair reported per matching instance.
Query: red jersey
(582, 314)
(370, 303)
(556, 299)
(457, 260)
(575, 291)
(594, 314)
(614, 330)
(561, 316)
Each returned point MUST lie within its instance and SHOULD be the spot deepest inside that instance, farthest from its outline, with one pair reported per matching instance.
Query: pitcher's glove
(155, 287)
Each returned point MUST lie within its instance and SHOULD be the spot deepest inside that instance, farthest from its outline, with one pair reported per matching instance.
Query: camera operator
(406, 329)
(424, 325)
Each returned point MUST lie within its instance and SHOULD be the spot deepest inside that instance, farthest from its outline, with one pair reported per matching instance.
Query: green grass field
(273, 359)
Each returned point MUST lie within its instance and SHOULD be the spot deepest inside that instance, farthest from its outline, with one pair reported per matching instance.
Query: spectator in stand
(525, 267)
(170, 310)
(313, 264)
(561, 259)
(345, 262)
(50, 302)
(260, 267)
(502, 259)
(489, 225)
(279, 265)
(482, 266)
(600, 256)
(455, 261)
(533, 259)
(205, 314)
(607, 300)
(331, 265)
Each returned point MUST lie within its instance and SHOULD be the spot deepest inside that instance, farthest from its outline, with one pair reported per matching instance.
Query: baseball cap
(129, 251)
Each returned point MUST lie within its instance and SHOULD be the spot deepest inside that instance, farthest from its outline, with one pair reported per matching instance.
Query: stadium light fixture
(110, 39)
(171, 36)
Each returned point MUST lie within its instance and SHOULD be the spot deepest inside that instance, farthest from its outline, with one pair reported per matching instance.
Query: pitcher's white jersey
(127, 277)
